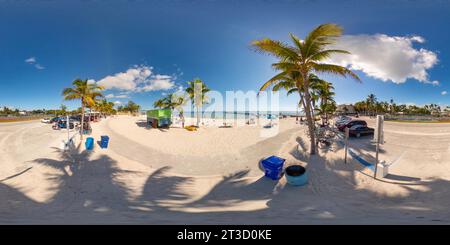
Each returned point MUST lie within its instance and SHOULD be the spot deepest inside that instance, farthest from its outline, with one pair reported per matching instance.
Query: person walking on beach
(181, 115)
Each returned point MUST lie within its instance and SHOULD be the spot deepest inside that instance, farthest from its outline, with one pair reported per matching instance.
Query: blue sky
(44, 45)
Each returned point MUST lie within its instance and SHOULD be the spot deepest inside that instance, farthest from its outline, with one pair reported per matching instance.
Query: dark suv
(351, 124)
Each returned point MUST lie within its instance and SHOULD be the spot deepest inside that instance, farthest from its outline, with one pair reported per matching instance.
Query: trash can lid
(295, 170)
(274, 161)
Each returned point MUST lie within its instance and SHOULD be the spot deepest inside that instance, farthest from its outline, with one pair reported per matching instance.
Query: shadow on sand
(91, 191)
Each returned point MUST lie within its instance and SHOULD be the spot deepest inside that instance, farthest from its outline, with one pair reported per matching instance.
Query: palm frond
(285, 66)
(335, 69)
(275, 48)
(292, 90)
(320, 37)
(274, 79)
(325, 54)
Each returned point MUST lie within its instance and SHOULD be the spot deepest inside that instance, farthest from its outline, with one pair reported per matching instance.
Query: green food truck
(159, 118)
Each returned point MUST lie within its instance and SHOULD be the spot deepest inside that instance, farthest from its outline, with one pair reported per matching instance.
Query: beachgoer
(181, 115)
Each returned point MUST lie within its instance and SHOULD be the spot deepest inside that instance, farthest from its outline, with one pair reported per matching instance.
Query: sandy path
(23, 142)
(105, 187)
(195, 153)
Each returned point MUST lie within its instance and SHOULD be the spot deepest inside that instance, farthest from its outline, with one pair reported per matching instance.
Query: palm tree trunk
(309, 117)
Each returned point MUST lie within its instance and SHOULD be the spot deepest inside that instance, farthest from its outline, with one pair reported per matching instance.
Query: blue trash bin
(273, 167)
(104, 141)
(89, 143)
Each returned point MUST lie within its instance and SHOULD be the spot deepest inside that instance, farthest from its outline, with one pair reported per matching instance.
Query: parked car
(55, 119)
(75, 118)
(63, 124)
(45, 120)
(359, 130)
(342, 120)
(351, 124)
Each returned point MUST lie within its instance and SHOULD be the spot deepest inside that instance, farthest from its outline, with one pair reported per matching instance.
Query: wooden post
(346, 144)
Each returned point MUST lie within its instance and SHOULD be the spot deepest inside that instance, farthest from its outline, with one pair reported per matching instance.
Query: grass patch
(6, 120)
(419, 121)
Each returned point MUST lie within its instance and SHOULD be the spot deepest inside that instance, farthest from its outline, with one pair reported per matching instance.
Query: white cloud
(117, 102)
(443, 92)
(31, 60)
(39, 67)
(388, 58)
(137, 79)
(119, 96)
(158, 82)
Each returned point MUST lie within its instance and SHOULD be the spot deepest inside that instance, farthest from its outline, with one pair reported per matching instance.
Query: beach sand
(212, 176)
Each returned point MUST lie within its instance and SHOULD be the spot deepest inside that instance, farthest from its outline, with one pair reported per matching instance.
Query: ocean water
(237, 115)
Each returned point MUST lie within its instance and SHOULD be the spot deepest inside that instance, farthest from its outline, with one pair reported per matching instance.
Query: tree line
(372, 106)
(196, 92)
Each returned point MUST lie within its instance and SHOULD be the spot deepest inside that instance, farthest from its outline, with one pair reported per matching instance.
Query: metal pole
(346, 144)
(378, 147)
(68, 133)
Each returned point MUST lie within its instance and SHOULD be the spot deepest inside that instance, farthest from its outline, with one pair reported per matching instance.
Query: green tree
(161, 103)
(63, 109)
(323, 90)
(197, 91)
(132, 107)
(85, 92)
(371, 103)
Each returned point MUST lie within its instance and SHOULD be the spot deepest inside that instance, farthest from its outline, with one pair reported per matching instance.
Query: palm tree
(197, 90)
(161, 103)
(171, 101)
(392, 107)
(328, 108)
(178, 102)
(324, 91)
(306, 57)
(371, 101)
(104, 107)
(84, 91)
(63, 109)
(132, 107)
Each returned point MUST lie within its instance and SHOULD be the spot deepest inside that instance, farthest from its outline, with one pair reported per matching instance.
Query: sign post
(379, 140)
(346, 144)
(68, 132)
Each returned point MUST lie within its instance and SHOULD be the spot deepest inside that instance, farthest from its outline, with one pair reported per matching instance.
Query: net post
(378, 138)
(346, 144)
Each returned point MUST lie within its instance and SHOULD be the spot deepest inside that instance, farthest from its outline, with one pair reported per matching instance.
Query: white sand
(146, 177)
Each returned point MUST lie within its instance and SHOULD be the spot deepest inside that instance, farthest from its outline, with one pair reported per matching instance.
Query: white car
(342, 120)
(45, 120)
